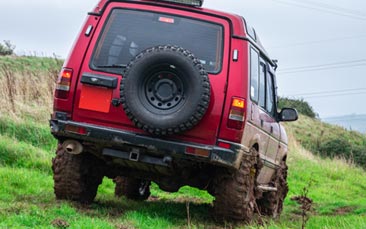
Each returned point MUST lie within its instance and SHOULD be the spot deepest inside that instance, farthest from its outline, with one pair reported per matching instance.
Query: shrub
(300, 105)
(340, 147)
(335, 147)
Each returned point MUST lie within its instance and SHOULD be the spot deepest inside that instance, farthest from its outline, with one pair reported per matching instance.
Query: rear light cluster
(63, 84)
(224, 145)
(237, 113)
(76, 129)
(197, 152)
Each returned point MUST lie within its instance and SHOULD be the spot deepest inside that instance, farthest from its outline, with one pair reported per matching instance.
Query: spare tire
(165, 90)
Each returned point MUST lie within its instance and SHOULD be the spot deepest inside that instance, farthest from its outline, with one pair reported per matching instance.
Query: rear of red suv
(156, 91)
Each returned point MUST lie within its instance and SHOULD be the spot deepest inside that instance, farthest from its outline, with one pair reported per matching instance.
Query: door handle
(271, 129)
(262, 122)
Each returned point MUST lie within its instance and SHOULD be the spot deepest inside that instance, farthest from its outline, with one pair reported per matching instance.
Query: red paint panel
(95, 98)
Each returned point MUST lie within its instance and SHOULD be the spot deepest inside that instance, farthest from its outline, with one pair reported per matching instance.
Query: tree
(301, 106)
(7, 48)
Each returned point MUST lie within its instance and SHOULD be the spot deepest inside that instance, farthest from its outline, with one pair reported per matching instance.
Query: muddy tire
(131, 188)
(76, 177)
(165, 90)
(235, 193)
(271, 204)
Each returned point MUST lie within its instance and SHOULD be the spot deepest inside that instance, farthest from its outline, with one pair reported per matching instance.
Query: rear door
(127, 29)
(268, 124)
(271, 126)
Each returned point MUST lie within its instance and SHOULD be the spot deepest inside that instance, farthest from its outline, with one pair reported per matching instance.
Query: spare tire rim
(164, 90)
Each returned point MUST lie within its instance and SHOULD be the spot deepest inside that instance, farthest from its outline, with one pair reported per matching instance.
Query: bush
(335, 147)
(342, 148)
(7, 48)
(300, 105)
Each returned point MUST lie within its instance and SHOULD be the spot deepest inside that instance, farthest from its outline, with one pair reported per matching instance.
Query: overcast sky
(320, 44)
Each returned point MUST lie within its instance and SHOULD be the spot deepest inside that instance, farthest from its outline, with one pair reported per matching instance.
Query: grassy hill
(336, 185)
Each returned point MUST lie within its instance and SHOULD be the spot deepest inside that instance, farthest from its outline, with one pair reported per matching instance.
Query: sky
(319, 44)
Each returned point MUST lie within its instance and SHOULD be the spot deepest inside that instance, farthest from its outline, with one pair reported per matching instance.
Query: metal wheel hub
(164, 90)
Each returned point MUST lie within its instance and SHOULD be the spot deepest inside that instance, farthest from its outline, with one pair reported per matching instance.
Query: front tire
(271, 204)
(76, 177)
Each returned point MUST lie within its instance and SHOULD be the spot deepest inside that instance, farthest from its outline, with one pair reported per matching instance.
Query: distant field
(337, 187)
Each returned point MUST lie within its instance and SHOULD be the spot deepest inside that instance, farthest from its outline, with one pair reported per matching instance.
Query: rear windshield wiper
(113, 66)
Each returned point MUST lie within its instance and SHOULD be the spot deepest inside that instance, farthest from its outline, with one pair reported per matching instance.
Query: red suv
(170, 92)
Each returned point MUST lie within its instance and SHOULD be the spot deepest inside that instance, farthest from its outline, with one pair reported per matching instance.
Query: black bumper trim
(98, 134)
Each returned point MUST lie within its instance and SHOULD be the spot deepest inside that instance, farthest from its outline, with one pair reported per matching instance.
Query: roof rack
(196, 3)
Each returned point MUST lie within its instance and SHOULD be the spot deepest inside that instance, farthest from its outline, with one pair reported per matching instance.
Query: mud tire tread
(196, 115)
(271, 204)
(76, 177)
(235, 193)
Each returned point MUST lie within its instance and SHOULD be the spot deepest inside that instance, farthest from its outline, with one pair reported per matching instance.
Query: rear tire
(131, 188)
(271, 204)
(235, 193)
(76, 177)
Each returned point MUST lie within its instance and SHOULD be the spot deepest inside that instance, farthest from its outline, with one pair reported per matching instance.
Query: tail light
(76, 129)
(63, 84)
(237, 113)
(197, 152)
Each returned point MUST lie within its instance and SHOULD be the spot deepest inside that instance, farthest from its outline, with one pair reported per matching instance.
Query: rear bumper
(111, 139)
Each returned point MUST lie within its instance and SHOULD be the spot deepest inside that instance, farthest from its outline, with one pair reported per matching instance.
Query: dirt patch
(343, 210)
(110, 209)
(181, 199)
(60, 223)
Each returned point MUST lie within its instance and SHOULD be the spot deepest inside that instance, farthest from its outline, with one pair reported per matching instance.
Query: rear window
(128, 32)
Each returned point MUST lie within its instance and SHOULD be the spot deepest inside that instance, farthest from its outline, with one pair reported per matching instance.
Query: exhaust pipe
(72, 147)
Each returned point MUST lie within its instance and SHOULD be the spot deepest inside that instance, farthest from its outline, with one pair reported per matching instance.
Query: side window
(270, 94)
(262, 86)
(254, 75)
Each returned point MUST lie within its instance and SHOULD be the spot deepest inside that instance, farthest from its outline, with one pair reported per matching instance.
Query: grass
(31, 64)
(27, 85)
(27, 199)
(336, 186)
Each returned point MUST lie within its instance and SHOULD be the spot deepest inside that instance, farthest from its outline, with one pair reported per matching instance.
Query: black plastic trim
(262, 53)
(99, 80)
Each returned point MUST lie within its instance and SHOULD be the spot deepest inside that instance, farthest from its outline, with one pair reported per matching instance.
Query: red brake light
(224, 145)
(237, 113)
(63, 84)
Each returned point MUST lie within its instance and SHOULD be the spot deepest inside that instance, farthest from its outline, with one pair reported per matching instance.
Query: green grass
(27, 200)
(31, 64)
(337, 187)
(28, 131)
(330, 141)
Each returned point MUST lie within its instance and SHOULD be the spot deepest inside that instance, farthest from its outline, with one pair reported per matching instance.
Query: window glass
(262, 86)
(254, 75)
(270, 94)
(129, 32)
